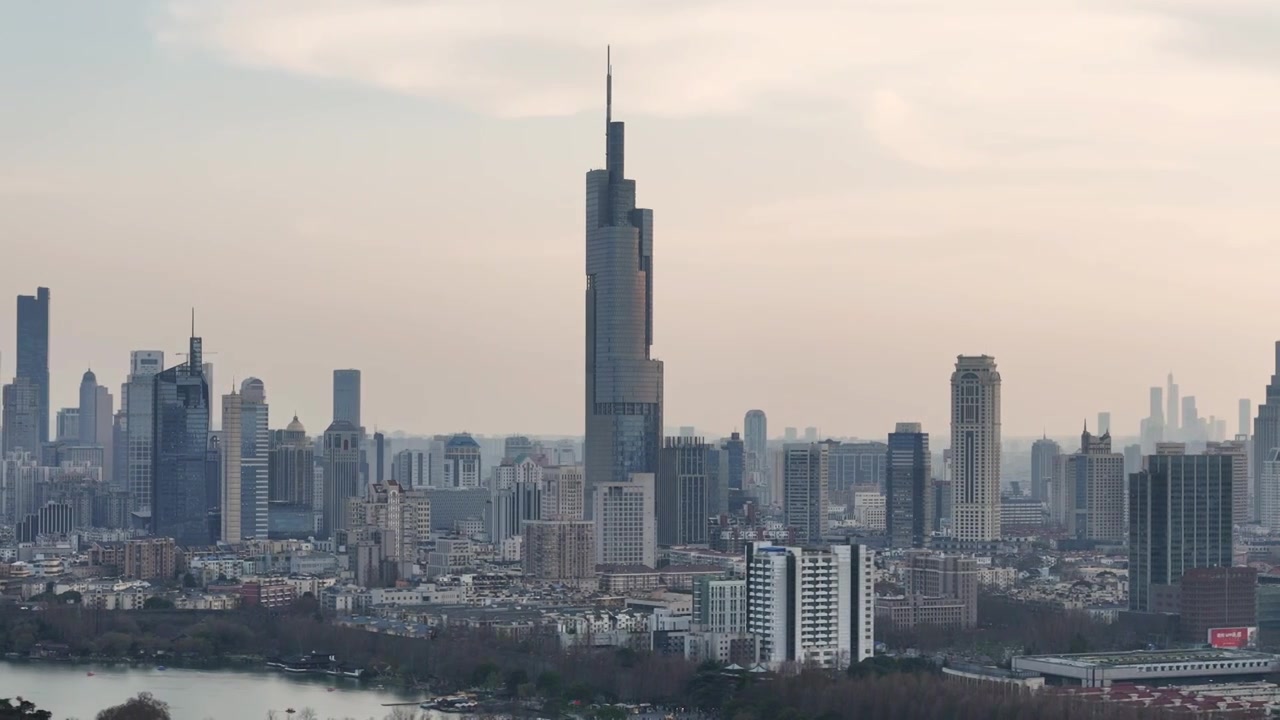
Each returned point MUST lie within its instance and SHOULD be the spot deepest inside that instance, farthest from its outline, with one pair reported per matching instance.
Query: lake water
(68, 691)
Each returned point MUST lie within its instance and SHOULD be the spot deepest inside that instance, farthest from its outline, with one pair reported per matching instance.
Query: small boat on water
(290, 711)
(161, 668)
(330, 689)
(89, 674)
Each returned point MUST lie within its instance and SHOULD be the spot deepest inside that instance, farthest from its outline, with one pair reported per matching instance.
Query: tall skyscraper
(231, 487)
(909, 489)
(735, 458)
(346, 396)
(341, 475)
(411, 468)
(1172, 418)
(1266, 436)
(461, 462)
(626, 527)
(805, 468)
(1044, 458)
(1179, 519)
(33, 354)
(21, 403)
(1192, 432)
(138, 398)
(66, 426)
(291, 468)
(755, 435)
(1239, 451)
(380, 457)
(1268, 492)
(1245, 414)
(516, 445)
(179, 501)
(975, 448)
(683, 489)
(857, 465)
(255, 442)
(811, 606)
(564, 496)
(1104, 423)
(88, 417)
(623, 382)
(1093, 491)
(1152, 429)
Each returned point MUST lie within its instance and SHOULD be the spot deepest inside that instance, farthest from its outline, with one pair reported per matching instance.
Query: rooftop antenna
(193, 321)
(608, 87)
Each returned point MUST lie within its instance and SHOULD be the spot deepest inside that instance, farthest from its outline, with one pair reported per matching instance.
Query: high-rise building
(856, 465)
(975, 448)
(623, 381)
(626, 527)
(291, 467)
(1180, 512)
(513, 507)
(790, 435)
(341, 475)
(401, 518)
(1216, 597)
(380, 451)
(33, 355)
(909, 489)
(720, 604)
(563, 498)
(805, 468)
(683, 487)
(231, 459)
(1192, 431)
(346, 396)
(67, 425)
(755, 432)
(21, 410)
(811, 606)
(180, 422)
(1044, 458)
(1239, 451)
(411, 468)
(1173, 422)
(1104, 423)
(516, 445)
(1093, 491)
(255, 446)
(1266, 437)
(138, 399)
(461, 462)
(559, 550)
(1268, 492)
(950, 577)
(1245, 414)
(88, 414)
(811, 434)
(735, 457)
(510, 472)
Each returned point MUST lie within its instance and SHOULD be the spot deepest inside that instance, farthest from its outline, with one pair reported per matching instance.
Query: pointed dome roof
(296, 426)
(89, 377)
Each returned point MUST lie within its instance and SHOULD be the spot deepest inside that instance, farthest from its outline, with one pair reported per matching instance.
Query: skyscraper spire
(608, 87)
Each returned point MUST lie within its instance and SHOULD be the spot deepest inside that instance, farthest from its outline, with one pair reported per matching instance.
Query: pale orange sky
(847, 194)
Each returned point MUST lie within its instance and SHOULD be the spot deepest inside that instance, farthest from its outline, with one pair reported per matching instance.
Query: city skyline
(721, 221)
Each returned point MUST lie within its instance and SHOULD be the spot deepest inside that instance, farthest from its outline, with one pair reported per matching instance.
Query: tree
(142, 707)
(155, 602)
(19, 709)
(69, 597)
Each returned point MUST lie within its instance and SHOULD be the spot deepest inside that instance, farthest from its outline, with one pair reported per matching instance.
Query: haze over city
(846, 197)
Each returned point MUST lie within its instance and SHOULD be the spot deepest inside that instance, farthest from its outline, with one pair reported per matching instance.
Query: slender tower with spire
(623, 382)
(1266, 436)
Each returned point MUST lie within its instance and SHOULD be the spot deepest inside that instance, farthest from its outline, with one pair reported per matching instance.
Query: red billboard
(1233, 637)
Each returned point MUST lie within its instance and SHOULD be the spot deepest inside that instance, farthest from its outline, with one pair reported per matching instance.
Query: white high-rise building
(255, 442)
(1269, 491)
(510, 472)
(1239, 450)
(626, 522)
(563, 498)
(805, 468)
(461, 462)
(975, 449)
(230, 488)
(138, 399)
(411, 469)
(811, 606)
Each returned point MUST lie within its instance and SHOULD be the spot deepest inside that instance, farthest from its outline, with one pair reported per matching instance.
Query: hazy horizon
(846, 197)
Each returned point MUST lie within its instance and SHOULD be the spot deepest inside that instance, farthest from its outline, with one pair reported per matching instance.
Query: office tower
(291, 467)
(1173, 423)
(559, 550)
(951, 577)
(790, 435)
(811, 607)
(1104, 423)
(623, 382)
(683, 487)
(1180, 510)
(735, 457)
(720, 605)
(1266, 437)
(341, 475)
(524, 470)
(1268, 491)
(687, 431)
(104, 407)
(67, 425)
(975, 447)
(33, 355)
(811, 434)
(516, 445)
(138, 396)
(1239, 452)
(755, 431)
(1191, 430)
(564, 495)
(231, 465)
(179, 498)
(512, 508)
(857, 465)
(804, 477)
(346, 396)
(1132, 463)
(411, 468)
(379, 457)
(87, 433)
(255, 444)
(21, 410)
(1093, 491)
(909, 496)
(1245, 413)
(1044, 458)
(461, 462)
(1151, 430)
(1217, 597)
(626, 530)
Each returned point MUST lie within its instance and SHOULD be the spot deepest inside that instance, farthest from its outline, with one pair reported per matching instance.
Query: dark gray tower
(179, 496)
(623, 383)
(33, 354)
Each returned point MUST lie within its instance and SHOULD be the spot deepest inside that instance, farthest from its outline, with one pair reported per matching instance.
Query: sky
(847, 194)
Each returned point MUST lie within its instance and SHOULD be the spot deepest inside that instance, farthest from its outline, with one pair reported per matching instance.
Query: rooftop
(1150, 657)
